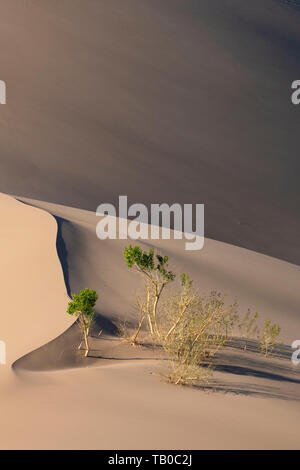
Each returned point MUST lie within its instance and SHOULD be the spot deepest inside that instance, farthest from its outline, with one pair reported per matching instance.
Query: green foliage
(186, 282)
(146, 262)
(191, 328)
(82, 306)
(135, 256)
(156, 274)
(268, 339)
(83, 303)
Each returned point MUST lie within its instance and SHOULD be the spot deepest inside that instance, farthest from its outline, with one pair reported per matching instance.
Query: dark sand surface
(165, 101)
(183, 101)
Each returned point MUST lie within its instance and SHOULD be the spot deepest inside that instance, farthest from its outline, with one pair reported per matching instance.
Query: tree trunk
(150, 324)
(158, 292)
(155, 314)
(86, 341)
(138, 330)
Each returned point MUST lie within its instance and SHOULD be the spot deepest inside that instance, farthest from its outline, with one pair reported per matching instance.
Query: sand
(32, 283)
(162, 101)
(173, 101)
(55, 399)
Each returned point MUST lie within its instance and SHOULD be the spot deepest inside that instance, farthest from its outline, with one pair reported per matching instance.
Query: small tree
(157, 276)
(268, 339)
(82, 306)
(191, 328)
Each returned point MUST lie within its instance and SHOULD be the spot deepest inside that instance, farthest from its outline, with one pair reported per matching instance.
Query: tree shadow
(274, 376)
(104, 324)
(280, 351)
(254, 372)
(248, 390)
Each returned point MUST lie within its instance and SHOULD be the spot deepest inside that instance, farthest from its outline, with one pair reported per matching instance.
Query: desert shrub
(82, 306)
(154, 269)
(207, 314)
(129, 333)
(199, 328)
(190, 327)
(124, 331)
(248, 328)
(188, 374)
(176, 306)
(269, 337)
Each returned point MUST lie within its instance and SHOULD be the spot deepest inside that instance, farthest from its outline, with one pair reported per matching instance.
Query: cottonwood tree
(154, 268)
(82, 306)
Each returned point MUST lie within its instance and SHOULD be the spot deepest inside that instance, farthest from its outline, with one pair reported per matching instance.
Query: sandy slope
(119, 400)
(261, 283)
(124, 407)
(32, 285)
(174, 100)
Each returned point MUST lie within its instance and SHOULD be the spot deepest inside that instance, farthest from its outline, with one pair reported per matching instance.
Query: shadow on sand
(248, 372)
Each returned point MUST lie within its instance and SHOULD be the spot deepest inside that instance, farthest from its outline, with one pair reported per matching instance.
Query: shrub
(82, 306)
(268, 339)
(187, 374)
(248, 327)
(199, 328)
(155, 271)
(190, 327)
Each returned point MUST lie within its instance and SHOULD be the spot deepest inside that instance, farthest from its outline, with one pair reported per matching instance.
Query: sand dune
(106, 400)
(124, 407)
(261, 283)
(173, 101)
(162, 101)
(32, 284)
